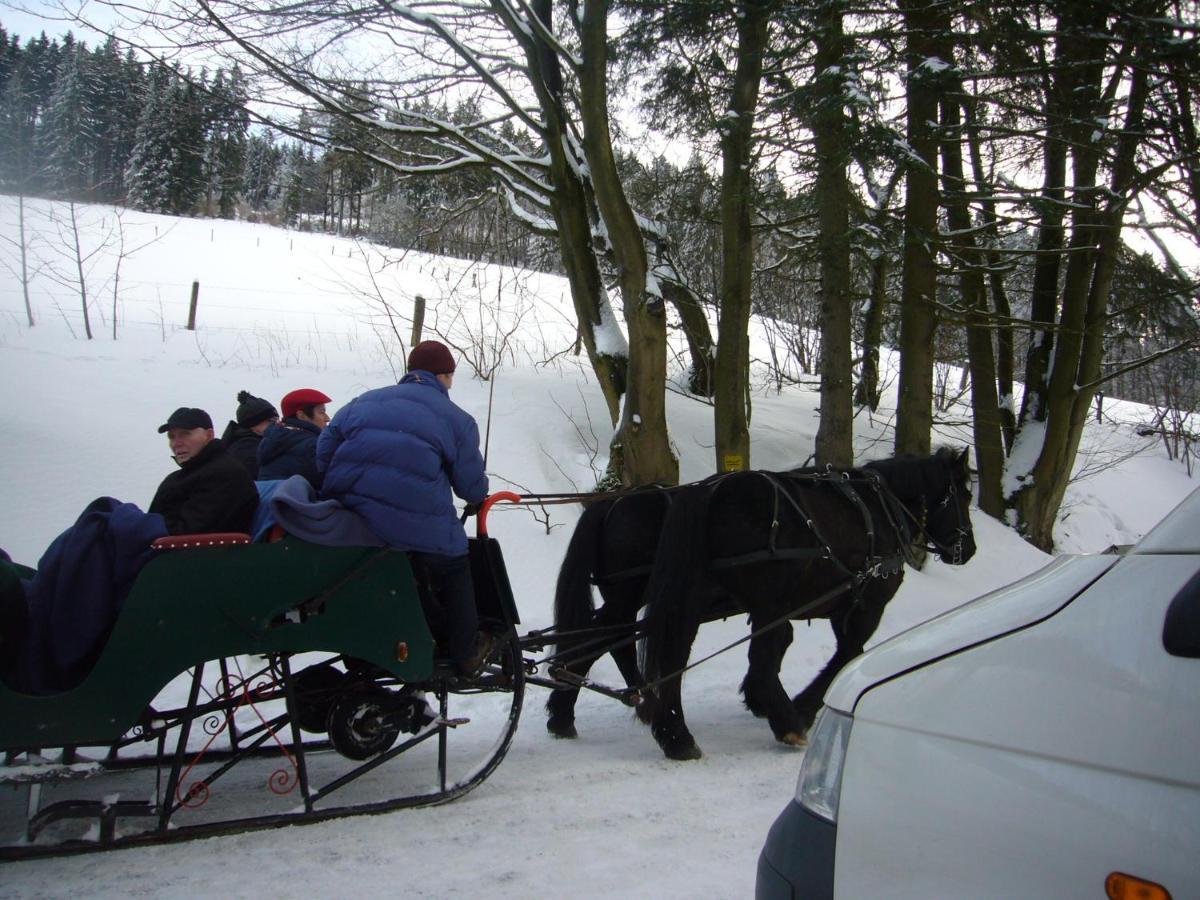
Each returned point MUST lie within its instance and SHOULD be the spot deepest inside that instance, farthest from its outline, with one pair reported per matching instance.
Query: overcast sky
(29, 19)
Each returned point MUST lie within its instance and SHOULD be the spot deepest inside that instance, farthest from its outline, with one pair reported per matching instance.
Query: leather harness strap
(844, 483)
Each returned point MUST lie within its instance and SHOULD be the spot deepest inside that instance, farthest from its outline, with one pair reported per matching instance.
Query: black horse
(783, 546)
(613, 547)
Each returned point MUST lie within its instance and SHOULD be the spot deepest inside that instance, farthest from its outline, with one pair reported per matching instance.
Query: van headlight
(820, 783)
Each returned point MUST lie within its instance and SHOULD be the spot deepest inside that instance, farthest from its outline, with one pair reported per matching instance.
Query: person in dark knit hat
(244, 433)
(212, 492)
(394, 455)
(289, 447)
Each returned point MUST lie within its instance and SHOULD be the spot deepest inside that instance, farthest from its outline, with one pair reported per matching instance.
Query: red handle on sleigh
(485, 507)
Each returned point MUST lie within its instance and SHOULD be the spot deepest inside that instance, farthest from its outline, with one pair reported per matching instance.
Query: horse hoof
(683, 753)
(794, 739)
(561, 728)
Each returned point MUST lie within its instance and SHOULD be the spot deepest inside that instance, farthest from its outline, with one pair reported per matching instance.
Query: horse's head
(948, 507)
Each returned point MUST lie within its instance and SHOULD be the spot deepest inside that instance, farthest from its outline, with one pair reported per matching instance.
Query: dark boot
(485, 643)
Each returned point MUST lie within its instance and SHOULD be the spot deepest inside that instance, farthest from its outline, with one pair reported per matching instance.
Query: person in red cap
(211, 492)
(395, 455)
(289, 446)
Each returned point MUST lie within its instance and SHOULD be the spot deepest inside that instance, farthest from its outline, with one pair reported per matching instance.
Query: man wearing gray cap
(212, 492)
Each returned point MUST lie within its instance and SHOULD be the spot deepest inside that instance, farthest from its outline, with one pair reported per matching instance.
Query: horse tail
(574, 605)
(674, 597)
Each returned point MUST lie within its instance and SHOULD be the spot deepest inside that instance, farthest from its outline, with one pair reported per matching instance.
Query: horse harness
(876, 565)
(896, 516)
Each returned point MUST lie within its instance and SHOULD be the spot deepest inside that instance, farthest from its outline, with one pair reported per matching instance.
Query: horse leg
(621, 620)
(852, 627)
(663, 708)
(765, 656)
(619, 608)
(561, 712)
(762, 690)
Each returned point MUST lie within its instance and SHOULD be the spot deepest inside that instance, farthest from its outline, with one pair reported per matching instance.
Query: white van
(1040, 741)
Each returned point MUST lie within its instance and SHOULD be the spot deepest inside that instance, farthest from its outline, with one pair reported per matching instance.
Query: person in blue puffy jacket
(395, 455)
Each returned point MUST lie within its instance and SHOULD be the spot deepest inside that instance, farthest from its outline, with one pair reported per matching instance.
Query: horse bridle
(961, 532)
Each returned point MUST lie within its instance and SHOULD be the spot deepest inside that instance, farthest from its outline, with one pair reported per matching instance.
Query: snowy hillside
(605, 815)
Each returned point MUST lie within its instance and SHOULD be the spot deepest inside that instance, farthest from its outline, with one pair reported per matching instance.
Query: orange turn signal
(1120, 886)
(401, 651)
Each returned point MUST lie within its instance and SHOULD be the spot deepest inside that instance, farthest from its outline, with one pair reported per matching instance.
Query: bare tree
(19, 268)
(72, 257)
(122, 251)
(541, 133)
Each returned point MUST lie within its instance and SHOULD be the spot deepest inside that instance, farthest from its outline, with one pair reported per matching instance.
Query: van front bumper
(797, 859)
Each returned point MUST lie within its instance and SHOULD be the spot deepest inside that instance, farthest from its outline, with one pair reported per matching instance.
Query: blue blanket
(81, 584)
(295, 506)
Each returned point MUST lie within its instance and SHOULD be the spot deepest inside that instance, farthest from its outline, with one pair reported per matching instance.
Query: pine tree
(10, 56)
(17, 121)
(66, 139)
(225, 155)
(261, 175)
(166, 170)
(301, 193)
(188, 117)
(26, 93)
(115, 93)
(148, 174)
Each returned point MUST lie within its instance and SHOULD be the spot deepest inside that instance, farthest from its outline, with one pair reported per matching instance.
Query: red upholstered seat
(180, 541)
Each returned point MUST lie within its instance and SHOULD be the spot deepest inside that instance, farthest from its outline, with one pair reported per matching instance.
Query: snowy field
(603, 816)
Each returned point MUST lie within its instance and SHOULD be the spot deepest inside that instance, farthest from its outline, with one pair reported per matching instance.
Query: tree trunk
(985, 407)
(867, 391)
(597, 325)
(1002, 323)
(1046, 268)
(641, 437)
(834, 441)
(569, 207)
(24, 257)
(918, 315)
(1095, 245)
(77, 250)
(731, 418)
(695, 328)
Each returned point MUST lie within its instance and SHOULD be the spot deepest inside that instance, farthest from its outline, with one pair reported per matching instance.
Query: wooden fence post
(418, 319)
(191, 325)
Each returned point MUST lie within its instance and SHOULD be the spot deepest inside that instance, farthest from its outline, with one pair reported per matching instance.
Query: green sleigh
(316, 662)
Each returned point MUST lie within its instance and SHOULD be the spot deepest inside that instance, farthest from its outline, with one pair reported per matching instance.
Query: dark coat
(289, 447)
(243, 443)
(210, 493)
(393, 455)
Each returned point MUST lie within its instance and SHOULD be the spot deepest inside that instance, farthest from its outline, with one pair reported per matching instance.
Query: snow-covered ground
(604, 815)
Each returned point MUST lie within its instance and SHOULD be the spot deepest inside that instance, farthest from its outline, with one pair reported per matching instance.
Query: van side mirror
(1181, 630)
